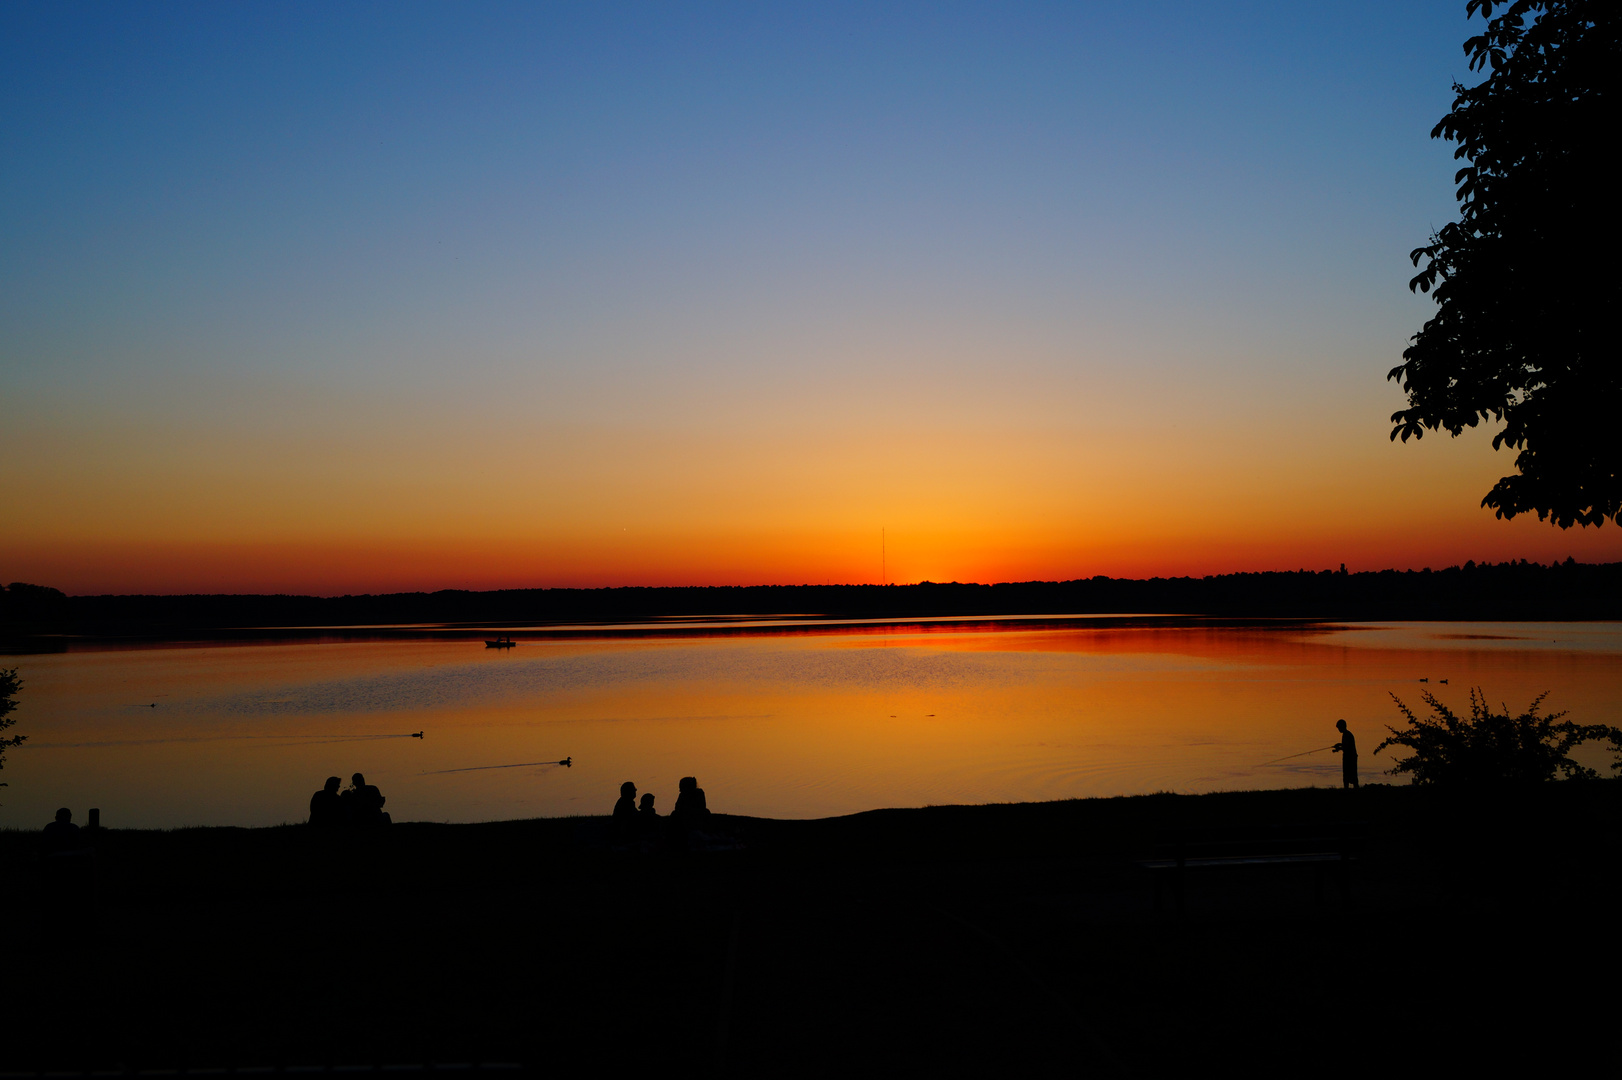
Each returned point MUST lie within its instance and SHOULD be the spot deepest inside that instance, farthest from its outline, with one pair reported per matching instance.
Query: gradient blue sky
(344, 297)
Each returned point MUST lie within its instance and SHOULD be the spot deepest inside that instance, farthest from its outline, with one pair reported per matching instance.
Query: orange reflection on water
(783, 725)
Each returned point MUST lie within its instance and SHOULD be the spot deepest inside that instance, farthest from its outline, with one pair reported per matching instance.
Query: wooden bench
(1324, 850)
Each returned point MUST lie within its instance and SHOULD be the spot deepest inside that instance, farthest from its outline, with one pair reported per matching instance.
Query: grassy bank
(947, 939)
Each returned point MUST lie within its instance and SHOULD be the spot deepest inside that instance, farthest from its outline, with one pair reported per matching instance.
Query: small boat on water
(499, 643)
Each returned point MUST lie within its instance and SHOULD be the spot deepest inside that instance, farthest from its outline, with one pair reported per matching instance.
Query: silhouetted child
(691, 810)
(1347, 749)
(648, 818)
(625, 820)
(326, 808)
(61, 835)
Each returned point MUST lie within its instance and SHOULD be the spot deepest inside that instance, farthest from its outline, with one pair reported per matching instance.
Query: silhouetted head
(358, 780)
(647, 801)
(64, 814)
(333, 783)
(688, 783)
(628, 790)
(1341, 724)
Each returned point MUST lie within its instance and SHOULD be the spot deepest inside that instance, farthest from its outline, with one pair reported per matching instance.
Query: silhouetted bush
(1488, 748)
(9, 685)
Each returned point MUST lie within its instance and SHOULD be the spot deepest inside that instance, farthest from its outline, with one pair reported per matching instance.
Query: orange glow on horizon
(375, 505)
(404, 565)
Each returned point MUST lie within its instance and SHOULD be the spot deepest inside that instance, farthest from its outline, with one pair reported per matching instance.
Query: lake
(773, 719)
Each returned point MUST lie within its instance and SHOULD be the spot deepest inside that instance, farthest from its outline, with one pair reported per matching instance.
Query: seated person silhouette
(691, 811)
(364, 803)
(647, 817)
(625, 820)
(62, 835)
(326, 808)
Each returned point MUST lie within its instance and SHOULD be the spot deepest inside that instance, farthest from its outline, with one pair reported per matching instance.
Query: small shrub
(9, 685)
(1489, 748)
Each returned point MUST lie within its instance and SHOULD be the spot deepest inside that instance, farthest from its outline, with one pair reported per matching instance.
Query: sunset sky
(344, 297)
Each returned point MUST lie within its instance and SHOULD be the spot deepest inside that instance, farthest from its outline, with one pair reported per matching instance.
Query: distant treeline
(1510, 590)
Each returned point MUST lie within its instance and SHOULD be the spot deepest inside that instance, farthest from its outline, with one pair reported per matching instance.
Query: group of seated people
(634, 823)
(359, 804)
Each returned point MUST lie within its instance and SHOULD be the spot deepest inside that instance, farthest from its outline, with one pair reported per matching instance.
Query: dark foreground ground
(995, 940)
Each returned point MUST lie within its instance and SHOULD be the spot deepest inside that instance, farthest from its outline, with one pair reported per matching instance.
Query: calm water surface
(784, 725)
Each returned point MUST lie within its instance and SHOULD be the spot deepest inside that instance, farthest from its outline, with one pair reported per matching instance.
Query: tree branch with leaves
(1526, 280)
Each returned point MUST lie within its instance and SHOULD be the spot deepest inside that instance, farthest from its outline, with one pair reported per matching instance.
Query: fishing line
(1287, 757)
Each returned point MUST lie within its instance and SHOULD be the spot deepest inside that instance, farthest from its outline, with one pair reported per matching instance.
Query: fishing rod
(1287, 757)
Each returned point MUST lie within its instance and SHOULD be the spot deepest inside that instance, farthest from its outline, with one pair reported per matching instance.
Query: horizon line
(1469, 564)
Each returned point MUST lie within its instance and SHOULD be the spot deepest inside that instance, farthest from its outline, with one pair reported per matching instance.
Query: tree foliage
(1526, 281)
(1488, 748)
(10, 684)
(32, 609)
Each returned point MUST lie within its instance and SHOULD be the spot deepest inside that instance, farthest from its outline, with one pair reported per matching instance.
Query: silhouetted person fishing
(62, 835)
(363, 803)
(326, 808)
(1347, 749)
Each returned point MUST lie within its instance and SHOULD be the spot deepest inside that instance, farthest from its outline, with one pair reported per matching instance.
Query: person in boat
(62, 835)
(364, 803)
(326, 808)
(691, 811)
(1347, 749)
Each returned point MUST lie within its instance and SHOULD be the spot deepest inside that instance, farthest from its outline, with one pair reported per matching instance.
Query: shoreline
(1004, 937)
(1376, 803)
(686, 630)
(674, 629)
(1510, 591)
(1162, 798)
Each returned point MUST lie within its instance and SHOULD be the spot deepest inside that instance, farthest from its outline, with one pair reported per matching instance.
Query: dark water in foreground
(781, 725)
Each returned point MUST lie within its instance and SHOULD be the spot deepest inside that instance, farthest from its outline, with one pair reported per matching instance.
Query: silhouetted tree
(1526, 281)
(32, 609)
(10, 684)
(1490, 748)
